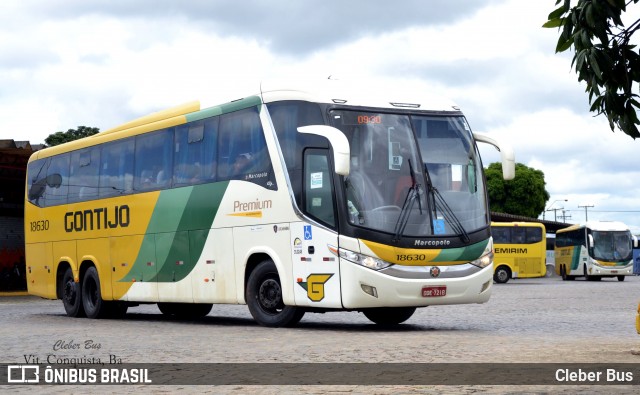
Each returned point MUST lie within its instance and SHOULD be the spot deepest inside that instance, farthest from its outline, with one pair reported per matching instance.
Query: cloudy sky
(65, 63)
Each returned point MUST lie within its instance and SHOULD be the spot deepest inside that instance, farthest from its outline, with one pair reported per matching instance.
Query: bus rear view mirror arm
(339, 145)
(506, 154)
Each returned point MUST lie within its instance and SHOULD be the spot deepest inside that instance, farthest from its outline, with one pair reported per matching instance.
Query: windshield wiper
(413, 193)
(447, 213)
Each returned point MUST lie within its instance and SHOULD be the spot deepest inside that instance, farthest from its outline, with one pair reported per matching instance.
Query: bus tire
(389, 315)
(620, 278)
(92, 301)
(587, 276)
(185, 310)
(71, 294)
(502, 274)
(565, 276)
(264, 298)
(551, 271)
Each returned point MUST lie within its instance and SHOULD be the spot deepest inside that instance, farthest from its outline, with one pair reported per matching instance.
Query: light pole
(555, 210)
(586, 206)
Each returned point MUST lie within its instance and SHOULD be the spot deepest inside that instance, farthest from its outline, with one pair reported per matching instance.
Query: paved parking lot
(526, 321)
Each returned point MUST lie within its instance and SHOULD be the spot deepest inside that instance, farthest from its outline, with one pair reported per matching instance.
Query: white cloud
(72, 63)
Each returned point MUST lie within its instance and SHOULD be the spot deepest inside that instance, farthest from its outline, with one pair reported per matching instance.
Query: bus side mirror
(506, 154)
(339, 145)
(54, 180)
(590, 237)
(635, 241)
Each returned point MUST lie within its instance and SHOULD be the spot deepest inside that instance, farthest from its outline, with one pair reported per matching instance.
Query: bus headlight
(483, 261)
(361, 259)
(487, 256)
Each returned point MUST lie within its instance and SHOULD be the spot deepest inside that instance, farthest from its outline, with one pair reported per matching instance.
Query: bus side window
(242, 149)
(55, 193)
(286, 117)
(37, 180)
(518, 235)
(195, 152)
(153, 160)
(501, 235)
(534, 235)
(318, 187)
(116, 169)
(85, 167)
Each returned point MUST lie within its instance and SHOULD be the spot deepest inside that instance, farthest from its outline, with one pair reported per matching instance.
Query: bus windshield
(612, 246)
(427, 182)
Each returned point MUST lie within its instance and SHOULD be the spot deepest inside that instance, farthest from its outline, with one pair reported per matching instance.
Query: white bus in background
(595, 250)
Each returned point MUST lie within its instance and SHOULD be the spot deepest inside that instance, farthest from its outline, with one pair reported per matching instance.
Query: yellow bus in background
(519, 250)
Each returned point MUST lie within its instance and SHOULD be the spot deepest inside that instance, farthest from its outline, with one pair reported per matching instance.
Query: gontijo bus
(290, 201)
(595, 250)
(519, 250)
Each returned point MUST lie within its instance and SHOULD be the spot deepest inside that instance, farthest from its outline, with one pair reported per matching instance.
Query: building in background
(13, 169)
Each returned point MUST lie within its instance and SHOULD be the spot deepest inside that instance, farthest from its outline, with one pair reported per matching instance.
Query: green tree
(70, 135)
(524, 195)
(603, 56)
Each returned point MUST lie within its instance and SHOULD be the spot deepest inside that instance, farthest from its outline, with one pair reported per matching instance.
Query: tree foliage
(70, 135)
(524, 195)
(603, 56)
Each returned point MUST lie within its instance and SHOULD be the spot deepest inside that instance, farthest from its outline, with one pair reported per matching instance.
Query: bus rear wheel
(71, 295)
(264, 298)
(92, 301)
(389, 315)
(565, 276)
(502, 274)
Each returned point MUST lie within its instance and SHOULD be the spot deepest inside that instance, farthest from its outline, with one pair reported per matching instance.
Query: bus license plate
(438, 290)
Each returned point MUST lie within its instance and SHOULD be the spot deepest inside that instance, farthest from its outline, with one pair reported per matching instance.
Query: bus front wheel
(620, 278)
(389, 315)
(502, 274)
(71, 295)
(264, 298)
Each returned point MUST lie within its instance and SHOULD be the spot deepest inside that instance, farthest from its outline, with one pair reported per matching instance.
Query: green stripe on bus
(189, 212)
(237, 105)
(469, 253)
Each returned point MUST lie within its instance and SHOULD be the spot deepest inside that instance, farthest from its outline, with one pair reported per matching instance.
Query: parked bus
(291, 201)
(519, 250)
(595, 250)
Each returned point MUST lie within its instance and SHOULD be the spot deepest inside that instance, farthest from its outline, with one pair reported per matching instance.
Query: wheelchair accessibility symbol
(307, 232)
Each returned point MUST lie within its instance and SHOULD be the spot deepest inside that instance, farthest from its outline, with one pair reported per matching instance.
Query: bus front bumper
(597, 270)
(364, 288)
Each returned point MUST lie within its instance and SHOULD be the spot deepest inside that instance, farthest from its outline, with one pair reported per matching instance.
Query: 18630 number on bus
(39, 226)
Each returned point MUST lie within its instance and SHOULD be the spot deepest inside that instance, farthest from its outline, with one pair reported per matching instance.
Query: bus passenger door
(315, 268)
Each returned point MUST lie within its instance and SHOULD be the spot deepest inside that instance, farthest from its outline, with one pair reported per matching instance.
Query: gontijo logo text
(98, 218)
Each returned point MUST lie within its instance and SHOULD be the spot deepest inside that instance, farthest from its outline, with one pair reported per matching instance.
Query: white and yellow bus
(595, 250)
(519, 250)
(290, 201)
